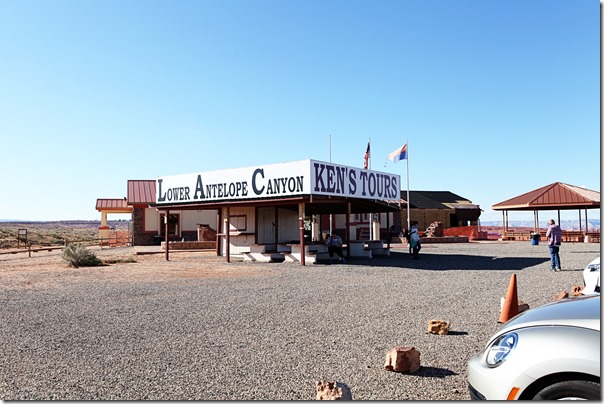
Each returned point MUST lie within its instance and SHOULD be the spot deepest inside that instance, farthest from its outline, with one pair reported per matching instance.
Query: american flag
(367, 155)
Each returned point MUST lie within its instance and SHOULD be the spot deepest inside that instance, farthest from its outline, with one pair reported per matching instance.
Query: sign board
(305, 177)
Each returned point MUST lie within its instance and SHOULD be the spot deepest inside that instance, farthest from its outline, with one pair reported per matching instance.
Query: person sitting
(334, 245)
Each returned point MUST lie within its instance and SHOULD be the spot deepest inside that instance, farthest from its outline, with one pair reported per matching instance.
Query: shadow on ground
(430, 371)
(449, 262)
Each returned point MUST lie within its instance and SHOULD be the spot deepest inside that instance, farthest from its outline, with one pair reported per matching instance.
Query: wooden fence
(114, 240)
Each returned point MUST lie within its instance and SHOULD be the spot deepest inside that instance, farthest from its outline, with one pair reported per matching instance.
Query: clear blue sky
(496, 98)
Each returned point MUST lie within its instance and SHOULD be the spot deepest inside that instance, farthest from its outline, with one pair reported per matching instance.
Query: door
(266, 225)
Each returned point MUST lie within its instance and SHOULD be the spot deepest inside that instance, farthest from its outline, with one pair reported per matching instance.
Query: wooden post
(301, 224)
(166, 236)
(227, 230)
(218, 231)
(348, 209)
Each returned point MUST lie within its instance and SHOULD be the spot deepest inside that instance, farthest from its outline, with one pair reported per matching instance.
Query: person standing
(334, 245)
(554, 239)
(415, 242)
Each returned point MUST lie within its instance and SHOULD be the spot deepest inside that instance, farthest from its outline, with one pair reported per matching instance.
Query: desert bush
(77, 255)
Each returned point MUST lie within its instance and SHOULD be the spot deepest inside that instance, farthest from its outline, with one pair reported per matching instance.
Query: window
(238, 222)
(361, 218)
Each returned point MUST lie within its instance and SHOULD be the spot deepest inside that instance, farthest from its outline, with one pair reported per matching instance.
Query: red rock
(328, 391)
(576, 290)
(438, 327)
(402, 359)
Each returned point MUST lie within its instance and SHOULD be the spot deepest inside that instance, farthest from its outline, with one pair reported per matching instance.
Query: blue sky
(495, 98)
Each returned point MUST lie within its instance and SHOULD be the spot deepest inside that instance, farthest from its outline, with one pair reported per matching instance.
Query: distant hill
(66, 223)
(565, 224)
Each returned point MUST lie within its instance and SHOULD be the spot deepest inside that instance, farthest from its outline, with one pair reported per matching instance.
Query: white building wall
(242, 229)
(189, 219)
(151, 219)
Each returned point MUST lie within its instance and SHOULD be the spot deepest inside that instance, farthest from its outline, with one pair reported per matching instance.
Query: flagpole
(408, 204)
(371, 235)
(330, 220)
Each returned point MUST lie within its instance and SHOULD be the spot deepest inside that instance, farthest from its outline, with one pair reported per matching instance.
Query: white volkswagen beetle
(549, 352)
(591, 277)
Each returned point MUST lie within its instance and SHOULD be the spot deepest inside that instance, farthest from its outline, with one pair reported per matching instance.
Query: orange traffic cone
(510, 306)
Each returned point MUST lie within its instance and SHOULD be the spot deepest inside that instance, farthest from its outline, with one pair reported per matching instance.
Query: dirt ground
(46, 269)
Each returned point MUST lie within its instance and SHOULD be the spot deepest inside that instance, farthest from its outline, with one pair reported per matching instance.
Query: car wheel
(570, 389)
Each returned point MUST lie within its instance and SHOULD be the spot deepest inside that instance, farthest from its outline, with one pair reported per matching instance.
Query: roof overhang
(533, 207)
(314, 205)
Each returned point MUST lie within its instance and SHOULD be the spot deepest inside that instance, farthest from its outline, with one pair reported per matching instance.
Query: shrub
(77, 255)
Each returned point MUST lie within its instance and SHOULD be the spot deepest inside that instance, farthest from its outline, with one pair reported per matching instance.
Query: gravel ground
(198, 328)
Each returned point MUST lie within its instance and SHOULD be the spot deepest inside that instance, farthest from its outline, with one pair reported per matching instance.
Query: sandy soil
(47, 269)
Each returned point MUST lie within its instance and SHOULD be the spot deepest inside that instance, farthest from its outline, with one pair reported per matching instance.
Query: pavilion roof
(553, 196)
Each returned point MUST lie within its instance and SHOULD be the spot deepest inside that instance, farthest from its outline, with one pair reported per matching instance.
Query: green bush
(77, 255)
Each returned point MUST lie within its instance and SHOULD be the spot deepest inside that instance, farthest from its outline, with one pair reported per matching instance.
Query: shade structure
(557, 196)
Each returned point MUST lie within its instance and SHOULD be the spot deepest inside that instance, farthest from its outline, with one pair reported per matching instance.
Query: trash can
(535, 237)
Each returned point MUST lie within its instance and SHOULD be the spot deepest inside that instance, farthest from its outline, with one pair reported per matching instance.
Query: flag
(367, 155)
(399, 154)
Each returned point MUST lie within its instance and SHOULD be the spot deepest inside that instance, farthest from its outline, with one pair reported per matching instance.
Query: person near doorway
(554, 239)
(415, 242)
(392, 233)
(334, 245)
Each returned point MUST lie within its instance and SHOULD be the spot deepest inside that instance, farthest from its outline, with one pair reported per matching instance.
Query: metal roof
(554, 196)
(141, 192)
(435, 200)
(112, 204)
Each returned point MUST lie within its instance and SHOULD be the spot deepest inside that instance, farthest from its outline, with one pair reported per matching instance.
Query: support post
(218, 231)
(227, 230)
(301, 224)
(348, 209)
(166, 235)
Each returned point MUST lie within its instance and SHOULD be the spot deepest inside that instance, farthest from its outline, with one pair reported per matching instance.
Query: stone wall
(139, 236)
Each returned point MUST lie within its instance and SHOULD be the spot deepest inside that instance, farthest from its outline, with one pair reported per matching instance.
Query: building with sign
(288, 207)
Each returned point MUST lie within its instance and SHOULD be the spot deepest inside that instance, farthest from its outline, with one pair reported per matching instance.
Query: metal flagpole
(330, 225)
(371, 214)
(408, 204)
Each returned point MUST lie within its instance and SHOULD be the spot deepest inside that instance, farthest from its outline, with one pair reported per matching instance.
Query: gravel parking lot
(198, 328)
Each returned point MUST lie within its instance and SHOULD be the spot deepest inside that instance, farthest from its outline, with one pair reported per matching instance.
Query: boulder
(402, 359)
(329, 391)
(576, 290)
(439, 327)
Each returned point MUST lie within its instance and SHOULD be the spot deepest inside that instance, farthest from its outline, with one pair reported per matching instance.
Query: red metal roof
(111, 204)
(554, 196)
(141, 192)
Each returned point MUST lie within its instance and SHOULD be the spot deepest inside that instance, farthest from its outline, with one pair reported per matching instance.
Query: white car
(591, 277)
(550, 352)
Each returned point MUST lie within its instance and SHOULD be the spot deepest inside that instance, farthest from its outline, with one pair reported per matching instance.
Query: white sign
(306, 177)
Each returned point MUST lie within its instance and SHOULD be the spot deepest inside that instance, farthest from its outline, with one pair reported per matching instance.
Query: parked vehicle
(549, 352)
(591, 277)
